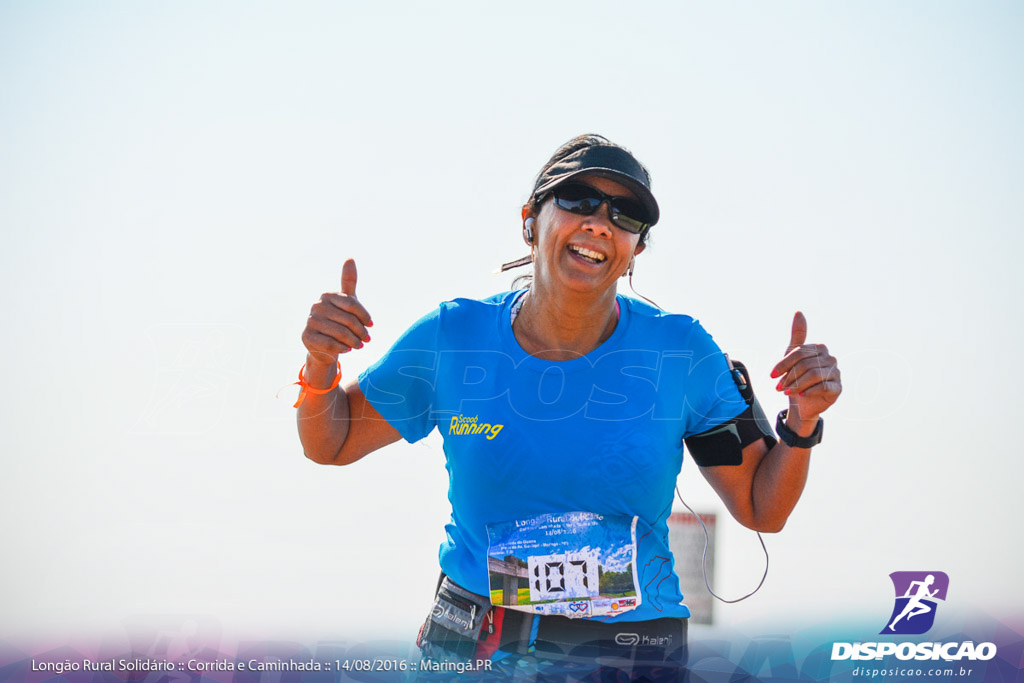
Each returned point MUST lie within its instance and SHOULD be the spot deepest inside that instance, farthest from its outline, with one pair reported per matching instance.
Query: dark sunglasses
(585, 200)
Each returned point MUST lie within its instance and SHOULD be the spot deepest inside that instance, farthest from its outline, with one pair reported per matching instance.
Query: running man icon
(914, 605)
(916, 595)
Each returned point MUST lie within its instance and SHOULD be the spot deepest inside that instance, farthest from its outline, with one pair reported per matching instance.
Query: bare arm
(341, 427)
(762, 491)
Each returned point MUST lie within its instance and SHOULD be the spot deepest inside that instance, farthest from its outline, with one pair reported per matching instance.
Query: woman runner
(564, 407)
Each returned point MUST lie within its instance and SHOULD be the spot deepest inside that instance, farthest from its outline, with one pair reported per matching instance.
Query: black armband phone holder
(724, 444)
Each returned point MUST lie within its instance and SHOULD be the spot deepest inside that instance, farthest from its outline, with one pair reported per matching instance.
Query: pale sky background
(180, 181)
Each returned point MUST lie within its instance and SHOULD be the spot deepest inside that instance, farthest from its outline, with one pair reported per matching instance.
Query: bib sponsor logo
(471, 426)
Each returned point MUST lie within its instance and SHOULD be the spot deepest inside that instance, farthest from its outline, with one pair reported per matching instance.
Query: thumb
(348, 278)
(799, 333)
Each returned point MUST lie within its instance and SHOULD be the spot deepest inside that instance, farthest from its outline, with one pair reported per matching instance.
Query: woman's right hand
(340, 426)
(336, 324)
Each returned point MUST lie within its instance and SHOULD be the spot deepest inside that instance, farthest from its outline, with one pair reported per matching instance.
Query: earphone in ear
(528, 229)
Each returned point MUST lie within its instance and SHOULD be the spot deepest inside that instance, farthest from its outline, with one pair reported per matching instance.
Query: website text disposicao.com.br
(906, 672)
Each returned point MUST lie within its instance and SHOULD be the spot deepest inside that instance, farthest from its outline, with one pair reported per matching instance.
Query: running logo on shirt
(466, 426)
(917, 594)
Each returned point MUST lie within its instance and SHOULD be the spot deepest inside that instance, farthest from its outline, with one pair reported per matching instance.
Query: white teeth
(592, 255)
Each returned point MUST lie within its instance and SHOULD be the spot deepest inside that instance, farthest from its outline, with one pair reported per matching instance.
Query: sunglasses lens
(584, 200)
(624, 215)
(577, 199)
(629, 224)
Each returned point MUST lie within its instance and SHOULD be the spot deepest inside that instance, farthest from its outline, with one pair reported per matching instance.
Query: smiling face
(584, 254)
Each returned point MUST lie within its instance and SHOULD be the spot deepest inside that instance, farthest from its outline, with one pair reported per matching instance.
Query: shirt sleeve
(402, 384)
(711, 393)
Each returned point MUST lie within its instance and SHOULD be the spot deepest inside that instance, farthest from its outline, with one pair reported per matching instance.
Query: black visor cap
(607, 161)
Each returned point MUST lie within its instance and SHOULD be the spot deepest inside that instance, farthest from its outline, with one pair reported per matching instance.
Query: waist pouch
(465, 625)
(456, 622)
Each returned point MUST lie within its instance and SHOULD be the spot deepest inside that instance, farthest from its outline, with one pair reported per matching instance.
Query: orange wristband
(306, 388)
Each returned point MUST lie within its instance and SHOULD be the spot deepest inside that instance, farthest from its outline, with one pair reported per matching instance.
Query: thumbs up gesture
(337, 323)
(809, 376)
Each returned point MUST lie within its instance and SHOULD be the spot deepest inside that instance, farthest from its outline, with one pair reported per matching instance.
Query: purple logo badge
(917, 594)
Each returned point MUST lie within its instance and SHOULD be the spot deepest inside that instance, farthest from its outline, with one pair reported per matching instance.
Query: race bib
(575, 564)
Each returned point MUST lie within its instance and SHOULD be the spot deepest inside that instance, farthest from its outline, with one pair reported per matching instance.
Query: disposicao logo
(917, 596)
(913, 613)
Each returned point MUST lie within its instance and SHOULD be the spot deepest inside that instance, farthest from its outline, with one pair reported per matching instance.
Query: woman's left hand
(810, 376)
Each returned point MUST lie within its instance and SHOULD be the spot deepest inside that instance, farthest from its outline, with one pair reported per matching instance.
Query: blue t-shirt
(523, 436)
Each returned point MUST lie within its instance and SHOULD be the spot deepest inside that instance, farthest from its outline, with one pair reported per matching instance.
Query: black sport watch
(794, 440)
